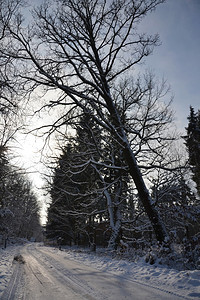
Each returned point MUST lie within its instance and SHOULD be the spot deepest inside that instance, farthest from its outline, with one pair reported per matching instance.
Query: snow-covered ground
(6, 262)
(185, 283)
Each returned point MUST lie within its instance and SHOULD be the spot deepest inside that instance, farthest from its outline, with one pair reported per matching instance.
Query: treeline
(19, 208)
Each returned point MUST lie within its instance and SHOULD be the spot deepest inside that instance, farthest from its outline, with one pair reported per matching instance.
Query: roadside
(6, 264)
(185, 283)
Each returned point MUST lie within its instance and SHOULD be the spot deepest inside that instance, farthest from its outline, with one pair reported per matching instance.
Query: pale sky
(178, 58)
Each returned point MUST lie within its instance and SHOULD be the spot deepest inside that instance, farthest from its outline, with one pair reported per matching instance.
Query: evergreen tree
(19, 209)
(193, 145)
(60, 223)
(75, 201)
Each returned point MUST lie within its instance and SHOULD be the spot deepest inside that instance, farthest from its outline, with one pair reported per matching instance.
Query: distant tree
(19, 209)
(192, 141)
(22, 218)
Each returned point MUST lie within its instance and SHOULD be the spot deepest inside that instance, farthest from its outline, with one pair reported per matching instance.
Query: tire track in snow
(62, 274)
(139, 282)
(82, 284)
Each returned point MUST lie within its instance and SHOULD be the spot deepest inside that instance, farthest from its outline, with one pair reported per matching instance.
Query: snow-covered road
(52, 275)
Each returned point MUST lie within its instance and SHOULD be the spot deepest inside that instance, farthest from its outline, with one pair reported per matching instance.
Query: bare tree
(8, 92)
(80, 49)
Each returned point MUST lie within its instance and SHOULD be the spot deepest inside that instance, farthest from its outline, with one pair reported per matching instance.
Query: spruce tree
(75, 202)
(60, 223)
(193, 145)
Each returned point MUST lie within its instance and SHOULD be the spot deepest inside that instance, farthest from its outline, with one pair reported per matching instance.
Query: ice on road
(51, 275)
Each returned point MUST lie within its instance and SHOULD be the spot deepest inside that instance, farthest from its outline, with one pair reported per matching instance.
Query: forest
(121, 176)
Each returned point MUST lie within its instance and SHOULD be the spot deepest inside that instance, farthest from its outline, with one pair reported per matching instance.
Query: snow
(6, 262)
(185, 283)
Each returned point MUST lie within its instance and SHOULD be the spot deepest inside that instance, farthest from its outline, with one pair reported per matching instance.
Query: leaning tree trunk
(143, 193)
(120, 135)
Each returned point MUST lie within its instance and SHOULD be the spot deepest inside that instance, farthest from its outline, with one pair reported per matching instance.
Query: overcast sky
(178, 58)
